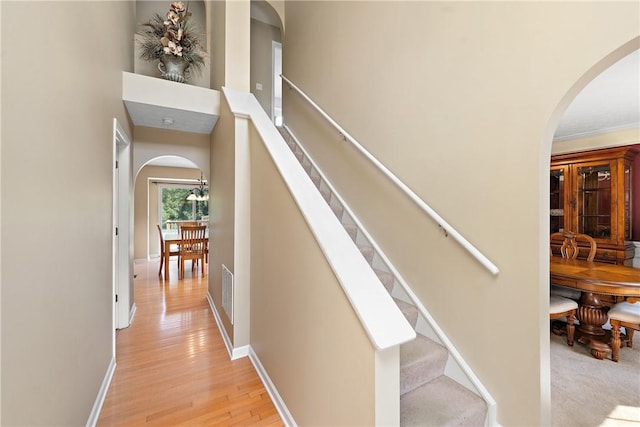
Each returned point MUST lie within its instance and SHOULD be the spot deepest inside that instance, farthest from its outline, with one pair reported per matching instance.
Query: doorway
(552, 134)
(121, 256)
(276, 94)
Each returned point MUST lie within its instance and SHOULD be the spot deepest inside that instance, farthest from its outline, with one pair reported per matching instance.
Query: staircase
(427, 396)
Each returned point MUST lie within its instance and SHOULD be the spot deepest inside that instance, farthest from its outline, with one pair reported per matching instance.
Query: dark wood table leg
(593, 315)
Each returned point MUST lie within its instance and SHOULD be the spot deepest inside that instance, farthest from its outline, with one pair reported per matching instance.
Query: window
(174, 206)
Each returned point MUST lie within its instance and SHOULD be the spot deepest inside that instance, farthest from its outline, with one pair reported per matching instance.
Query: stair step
(421, 361)
(337, 209)
(352, 230)
(442, 402)
(306, 165)
(367, 252)
(409, 310)
(386, 278)
(326, 194)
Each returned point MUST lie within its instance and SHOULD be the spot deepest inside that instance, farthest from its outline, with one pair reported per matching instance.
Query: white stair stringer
(437, 388)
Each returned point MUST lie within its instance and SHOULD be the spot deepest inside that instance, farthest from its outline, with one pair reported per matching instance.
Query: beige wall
(146, 9)
(146, 239)
(262, 35)
(237, 44)
(57, 143)
(216, 13)
(303, 327)
(459, 99)
(152, 143)
(221, 207)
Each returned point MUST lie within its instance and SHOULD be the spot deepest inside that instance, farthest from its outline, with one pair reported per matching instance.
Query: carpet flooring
(589, 392)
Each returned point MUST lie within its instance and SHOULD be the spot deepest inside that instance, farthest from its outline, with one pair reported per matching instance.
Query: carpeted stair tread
(352, 230)
(442, 402)
(367, 252)
(386, 278)
(421, 361)
(337, 208)
(409, 310)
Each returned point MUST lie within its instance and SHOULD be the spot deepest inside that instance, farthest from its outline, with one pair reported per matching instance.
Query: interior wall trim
(278, 402)
(102, 394)
(234, 353)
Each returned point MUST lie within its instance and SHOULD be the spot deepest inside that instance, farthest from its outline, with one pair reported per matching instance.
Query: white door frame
(276, 80)
(122, 262)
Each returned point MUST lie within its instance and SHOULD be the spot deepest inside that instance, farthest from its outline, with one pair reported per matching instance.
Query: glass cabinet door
(557, 192)
(594, 201)
(627, 201)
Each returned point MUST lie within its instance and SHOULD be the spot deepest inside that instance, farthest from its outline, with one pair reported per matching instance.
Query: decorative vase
(174, 68)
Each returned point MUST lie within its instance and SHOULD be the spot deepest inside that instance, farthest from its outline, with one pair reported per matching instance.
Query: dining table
(601, 285)
(174, 237)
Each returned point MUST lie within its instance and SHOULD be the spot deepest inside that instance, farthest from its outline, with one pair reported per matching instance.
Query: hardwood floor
(172, 365)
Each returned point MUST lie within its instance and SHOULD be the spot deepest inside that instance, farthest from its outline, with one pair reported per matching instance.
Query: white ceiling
(609, 103)
(158, 116)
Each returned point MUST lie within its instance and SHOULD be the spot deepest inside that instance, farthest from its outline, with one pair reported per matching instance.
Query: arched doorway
(556, 121)
(173, 176)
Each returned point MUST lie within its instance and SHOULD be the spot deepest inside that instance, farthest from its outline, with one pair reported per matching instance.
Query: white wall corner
(242, 233)
(387, 386)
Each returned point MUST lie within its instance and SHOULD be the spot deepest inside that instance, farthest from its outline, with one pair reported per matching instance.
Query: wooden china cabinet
(591, 194)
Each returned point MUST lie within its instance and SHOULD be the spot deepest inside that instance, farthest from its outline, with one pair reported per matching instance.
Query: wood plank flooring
(172, 366)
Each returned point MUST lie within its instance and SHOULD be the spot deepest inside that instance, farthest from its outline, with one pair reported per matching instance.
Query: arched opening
(161, 188)
(559, 120)
(266, 58)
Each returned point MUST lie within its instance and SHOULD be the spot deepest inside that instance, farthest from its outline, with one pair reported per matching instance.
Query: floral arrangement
(172, 35)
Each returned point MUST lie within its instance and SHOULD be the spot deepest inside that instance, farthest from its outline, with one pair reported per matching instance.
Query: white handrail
(449, 230)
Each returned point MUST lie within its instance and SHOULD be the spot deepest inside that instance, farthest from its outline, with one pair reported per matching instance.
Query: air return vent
(227, 292)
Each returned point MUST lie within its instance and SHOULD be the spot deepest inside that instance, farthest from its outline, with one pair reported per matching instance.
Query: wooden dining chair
(624, 314)
(174, 250)
(570, 249)
(563, 301)
(192, 246)
(560, 307)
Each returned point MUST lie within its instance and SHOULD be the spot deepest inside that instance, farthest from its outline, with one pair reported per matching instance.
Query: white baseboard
(133, 313)
(281, 407)
(102, 395)
(234, 353)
